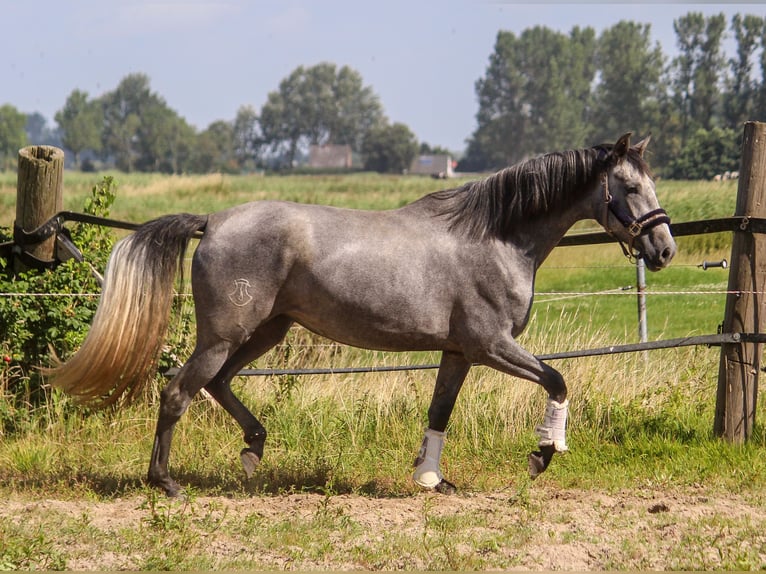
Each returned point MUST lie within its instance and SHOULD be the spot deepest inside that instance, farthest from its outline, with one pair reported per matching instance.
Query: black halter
(635, 226)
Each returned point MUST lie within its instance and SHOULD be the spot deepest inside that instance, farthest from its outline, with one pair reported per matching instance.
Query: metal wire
(709, 340)
(618, 291)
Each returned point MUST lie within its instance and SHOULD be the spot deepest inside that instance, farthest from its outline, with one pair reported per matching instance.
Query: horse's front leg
(552, 433)
(452, 372)
(507, 356)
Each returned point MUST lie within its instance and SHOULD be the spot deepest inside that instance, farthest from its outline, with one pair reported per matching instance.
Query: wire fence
(540, 297)
(627, 290)
(709, 340)
(690, 228)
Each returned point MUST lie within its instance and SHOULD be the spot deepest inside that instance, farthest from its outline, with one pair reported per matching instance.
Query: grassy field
(638, 422)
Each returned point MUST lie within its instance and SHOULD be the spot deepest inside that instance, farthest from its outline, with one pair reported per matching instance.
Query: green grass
(198, 534)
(634, 419)
(681, 300)
(520, 529)
(145, 196)
(637, 421)
(565, 316)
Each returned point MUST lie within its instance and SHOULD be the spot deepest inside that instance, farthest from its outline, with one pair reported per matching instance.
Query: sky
(207, 58)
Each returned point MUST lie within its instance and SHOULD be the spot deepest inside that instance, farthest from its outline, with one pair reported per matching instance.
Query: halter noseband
(635, 226)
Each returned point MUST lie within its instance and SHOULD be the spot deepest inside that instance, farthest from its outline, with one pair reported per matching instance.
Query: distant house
(439, 165)
(330, 156)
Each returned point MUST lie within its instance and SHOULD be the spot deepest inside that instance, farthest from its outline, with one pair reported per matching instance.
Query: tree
(571, 113)
(164, 141)
(123, 109)
(142, 132)
(697, 69)
(627, 97)
(534, 95)
(38, 132)
(12, 134)
(427, 149)
(707, 85)
(740, 101)
(389, 148)
(318, 105)
(80, 121)
(216, 149)
(358, 110)
(706, 154)
(36, 128)
(761, 89)
(500, 117)
(247, 138)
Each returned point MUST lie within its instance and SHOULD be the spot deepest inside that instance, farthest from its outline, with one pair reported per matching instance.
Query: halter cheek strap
(635, 226)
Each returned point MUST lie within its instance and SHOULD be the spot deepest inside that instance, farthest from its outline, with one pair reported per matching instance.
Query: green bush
(707, 153)
(46, 312)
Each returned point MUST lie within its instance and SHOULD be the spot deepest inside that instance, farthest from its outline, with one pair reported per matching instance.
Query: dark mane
(487, 207)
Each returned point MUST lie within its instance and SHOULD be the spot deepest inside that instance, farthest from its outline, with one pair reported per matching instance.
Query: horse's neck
(536, 236)
(539, 236)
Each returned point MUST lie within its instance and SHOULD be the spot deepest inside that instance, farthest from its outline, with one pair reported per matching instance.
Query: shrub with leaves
(50, 311)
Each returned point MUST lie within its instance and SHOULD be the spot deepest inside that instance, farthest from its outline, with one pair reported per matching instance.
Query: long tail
(121, 348)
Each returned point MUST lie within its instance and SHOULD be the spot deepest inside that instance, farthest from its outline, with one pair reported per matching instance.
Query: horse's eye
(632, 189)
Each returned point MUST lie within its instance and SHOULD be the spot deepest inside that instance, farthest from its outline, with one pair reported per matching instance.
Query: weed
(35, 322)
(440, 541)
(168, 514)
(28, 549)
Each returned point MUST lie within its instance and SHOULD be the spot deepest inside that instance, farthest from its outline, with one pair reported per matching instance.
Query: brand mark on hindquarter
(241, 294)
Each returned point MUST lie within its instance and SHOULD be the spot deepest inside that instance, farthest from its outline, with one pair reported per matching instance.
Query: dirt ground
(539, 529)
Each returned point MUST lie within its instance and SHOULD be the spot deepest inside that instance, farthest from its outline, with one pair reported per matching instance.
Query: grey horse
(452, 272)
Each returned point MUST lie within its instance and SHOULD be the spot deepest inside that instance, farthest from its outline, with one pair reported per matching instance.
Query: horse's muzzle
(657, 248)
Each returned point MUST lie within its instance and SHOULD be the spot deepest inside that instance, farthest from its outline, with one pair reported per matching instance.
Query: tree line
(542, 90)
(134, 129)
(545, 90)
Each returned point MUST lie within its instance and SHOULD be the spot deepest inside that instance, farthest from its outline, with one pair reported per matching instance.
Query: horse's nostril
(666, 254)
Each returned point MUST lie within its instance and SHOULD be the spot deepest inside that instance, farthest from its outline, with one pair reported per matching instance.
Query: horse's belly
(373, 330)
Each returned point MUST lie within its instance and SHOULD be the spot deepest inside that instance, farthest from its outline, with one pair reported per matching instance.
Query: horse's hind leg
(211, 369)
(263, 339)
(452, 372)
(174, 400)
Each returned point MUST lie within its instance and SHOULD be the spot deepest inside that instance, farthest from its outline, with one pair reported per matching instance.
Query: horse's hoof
(539, 460)
(250, 460)
(536, 464)
(169, 486)
(445, 487)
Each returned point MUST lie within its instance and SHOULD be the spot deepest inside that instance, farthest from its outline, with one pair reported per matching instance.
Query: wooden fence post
(740, 363)
(39, 193)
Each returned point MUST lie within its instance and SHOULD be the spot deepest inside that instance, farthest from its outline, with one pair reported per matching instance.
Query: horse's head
(630, 211)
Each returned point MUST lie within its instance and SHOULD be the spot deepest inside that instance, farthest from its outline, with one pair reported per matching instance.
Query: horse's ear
(641, 146)
(622, 146)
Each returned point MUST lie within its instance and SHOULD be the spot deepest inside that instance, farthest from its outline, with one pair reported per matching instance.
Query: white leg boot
(427, 473)
(553, 429)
